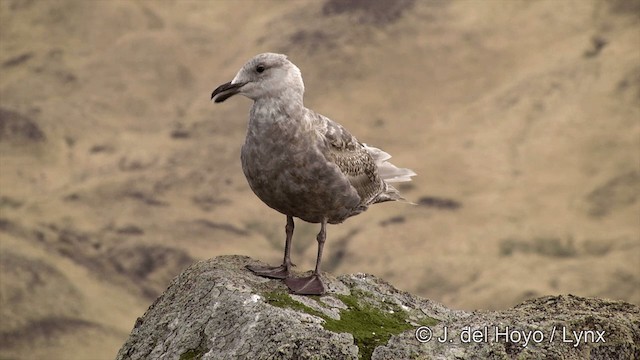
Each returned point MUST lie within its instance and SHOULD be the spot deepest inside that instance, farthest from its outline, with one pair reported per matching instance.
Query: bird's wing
(351, 157)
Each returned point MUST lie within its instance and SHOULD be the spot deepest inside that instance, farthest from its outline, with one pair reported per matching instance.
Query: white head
(266, 75)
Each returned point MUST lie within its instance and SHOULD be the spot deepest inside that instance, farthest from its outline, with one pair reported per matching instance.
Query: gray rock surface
(216, 309)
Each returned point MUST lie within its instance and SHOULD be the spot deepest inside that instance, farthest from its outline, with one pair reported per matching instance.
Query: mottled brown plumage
(301, 163)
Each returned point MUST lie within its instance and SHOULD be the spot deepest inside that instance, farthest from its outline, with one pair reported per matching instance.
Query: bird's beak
(225, 91)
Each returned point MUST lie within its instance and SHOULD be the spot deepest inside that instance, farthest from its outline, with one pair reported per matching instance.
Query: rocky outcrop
(216, 309)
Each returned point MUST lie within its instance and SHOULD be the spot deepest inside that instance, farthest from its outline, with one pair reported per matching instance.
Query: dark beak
(225, 91)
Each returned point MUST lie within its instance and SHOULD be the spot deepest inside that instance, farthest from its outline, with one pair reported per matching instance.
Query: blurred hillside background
(521, 119)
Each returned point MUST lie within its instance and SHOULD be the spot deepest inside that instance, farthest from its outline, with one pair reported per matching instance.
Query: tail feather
(390, 173)
(391, 194)
(387, 171)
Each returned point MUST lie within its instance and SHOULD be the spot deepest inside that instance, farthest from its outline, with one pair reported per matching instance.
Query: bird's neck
(270, 111)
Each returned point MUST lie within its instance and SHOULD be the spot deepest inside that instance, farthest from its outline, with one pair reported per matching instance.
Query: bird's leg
(287, 244)
(282, 271)
(311, 285)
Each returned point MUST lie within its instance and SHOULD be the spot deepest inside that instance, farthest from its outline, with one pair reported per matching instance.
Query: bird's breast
(289, 173)
(280, 163)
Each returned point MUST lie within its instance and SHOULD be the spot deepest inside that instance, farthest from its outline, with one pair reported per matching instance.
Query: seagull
(303, 164)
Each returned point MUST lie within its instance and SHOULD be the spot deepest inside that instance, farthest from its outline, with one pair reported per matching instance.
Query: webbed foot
(274, 272)
(310, 285)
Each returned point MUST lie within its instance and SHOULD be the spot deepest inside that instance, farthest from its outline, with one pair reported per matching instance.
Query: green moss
(283, 300)
(192, 354)
(369, 325)
(427, 321)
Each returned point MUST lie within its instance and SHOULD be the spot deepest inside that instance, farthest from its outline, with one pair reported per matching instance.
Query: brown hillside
(521, 119)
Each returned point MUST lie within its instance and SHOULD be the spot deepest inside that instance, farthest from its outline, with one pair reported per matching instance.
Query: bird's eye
(260, 68)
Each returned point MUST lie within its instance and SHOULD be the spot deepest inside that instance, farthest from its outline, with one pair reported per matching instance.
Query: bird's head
(265, 75)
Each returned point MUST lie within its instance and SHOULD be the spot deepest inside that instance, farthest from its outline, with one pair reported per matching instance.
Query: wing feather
(352, 158)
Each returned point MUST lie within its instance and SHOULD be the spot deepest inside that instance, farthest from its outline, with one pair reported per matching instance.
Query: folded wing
(366, 167)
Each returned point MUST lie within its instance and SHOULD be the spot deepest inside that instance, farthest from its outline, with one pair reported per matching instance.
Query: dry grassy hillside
(116, 172)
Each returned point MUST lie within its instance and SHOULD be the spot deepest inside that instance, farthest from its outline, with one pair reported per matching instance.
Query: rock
(216, 309)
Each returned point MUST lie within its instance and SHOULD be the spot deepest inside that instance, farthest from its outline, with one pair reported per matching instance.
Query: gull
(303, 164)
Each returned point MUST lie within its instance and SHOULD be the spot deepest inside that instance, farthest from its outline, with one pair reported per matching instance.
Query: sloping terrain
(117, 172)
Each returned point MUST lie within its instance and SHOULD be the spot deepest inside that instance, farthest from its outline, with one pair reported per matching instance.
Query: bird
(303, 164)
